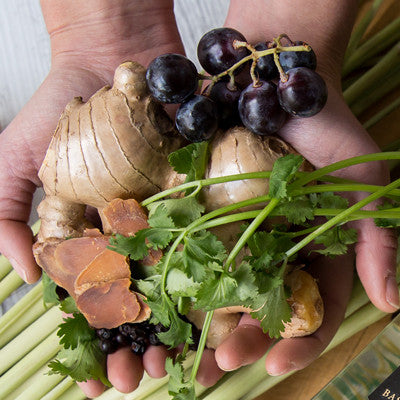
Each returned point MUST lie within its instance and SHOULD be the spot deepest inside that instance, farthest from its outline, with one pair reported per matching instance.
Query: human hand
(332, 135)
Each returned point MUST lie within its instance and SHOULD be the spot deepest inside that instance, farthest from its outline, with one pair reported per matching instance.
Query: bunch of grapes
(283, 82)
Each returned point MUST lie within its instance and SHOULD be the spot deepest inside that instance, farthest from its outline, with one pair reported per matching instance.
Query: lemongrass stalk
(382, 114)
(5, 266)
(28, 339)
(14, 327)
(382, 40)
(362, 26)
(19, 308)
(8, 284)
(40, 387)
(26, 367)
(375, 94)
(374, 75)
(26, 384)
(74, 392)
(59, 389)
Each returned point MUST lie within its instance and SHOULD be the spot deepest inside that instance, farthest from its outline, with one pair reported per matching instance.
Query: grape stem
(254, 56)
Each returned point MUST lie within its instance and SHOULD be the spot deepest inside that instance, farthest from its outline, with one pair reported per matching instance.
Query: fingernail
(392, 292)
(18, 269)
(277, 372)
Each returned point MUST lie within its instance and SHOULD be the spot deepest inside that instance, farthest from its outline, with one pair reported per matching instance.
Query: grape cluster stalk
(283, 83)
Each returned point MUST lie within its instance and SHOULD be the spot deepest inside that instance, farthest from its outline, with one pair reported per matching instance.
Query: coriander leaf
(199, 250)
(159, 217)
(179, 331)
(179, 284)
(190, 160)
(150, 286)
(73, 330)
(272, 309)
(336, 241)
(182, 211)
(297, 210)
(133, 246)
(50, 295)
(387, 222)
(158, 238)
(82, 363)
(282, 172)
(218, 290)
(177, 387)
(245, 281)
(68, 306)
(328, 200)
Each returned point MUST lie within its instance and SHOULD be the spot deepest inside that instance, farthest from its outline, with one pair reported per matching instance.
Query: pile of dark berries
(137, 336)
(282, 71)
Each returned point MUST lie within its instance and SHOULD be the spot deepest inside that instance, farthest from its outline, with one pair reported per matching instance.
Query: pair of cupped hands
(89, 39)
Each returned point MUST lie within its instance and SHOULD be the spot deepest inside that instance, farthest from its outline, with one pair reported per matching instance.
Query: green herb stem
(29, 338)
(375, 74)
(342, 216)
(201, 346)
(382, 40)
(317, 174)
(250, 231)
(8, 284)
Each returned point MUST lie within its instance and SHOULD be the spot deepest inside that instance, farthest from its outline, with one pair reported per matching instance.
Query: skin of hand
(332, 135)
(140, 31)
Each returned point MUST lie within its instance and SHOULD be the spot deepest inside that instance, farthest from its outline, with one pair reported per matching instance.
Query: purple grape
(294, 59)
(171, 78)
(259, 108)
(215, 50)
(226, 100)
(266, 68)
(304, 94)
(197, 118)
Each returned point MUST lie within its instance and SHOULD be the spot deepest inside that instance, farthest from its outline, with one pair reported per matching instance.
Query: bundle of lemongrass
(28, 339)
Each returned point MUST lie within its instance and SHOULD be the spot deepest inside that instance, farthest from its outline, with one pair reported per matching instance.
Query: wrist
(108, 32)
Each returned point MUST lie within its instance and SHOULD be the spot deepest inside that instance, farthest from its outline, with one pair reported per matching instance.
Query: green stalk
(8, 284)
(383, 113)
(9, 331)
(360, 29)
(74, 392)
(375, 75)
(28, 339)
(375, 94)
(342, 216)
(385, 38)
(40, 387)
(26, 367)
(59, 389)
(5, 266)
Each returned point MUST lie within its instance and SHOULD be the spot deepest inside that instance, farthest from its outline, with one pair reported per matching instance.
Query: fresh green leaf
(199, 250)
(328, 200)
(388, 222)
(336, 241)
(190, 160)
(158, 238)
(177, 387)
(68, 306)
(283, 171)
(297, 210)
(181, 211)
(73, 330)
(245, 283)
(179, 284)
(272, 309)
(82, 363)
(133, 246)
(50, 296)
(159, 217)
